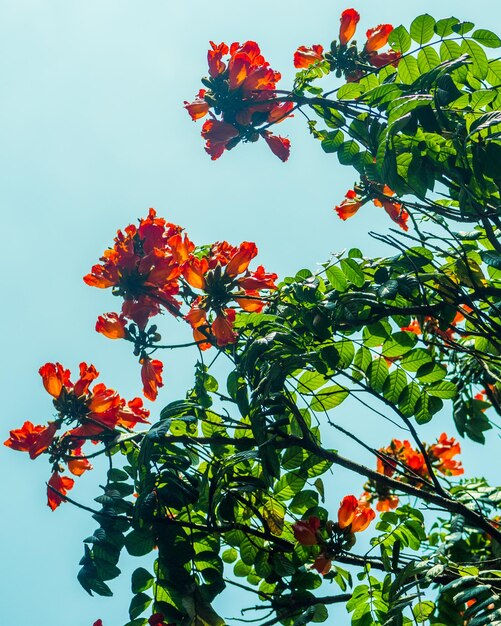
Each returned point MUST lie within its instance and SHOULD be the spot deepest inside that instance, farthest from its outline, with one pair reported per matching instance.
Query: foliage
(227, 485)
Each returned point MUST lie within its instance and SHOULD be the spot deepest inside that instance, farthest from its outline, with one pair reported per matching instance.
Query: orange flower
(151, 375)
(392, 57)
(280, 112)
(413, 327)
(350, 205)
(446, 447)
(386, 504)
(54, 377)
(111, 325)
(258, 279)
(32, 439)
(217, 136)
(377, 37)
(199, 107)
(322, 564)
(347, 511)
(394, 209)
(304, 56)
(349, 20)
(222, 327)
(363, 517)
(241, 258)
(305, 531)
(280, 146)
(214, 56)
(78, 466)
(57, 487)
(194, 272)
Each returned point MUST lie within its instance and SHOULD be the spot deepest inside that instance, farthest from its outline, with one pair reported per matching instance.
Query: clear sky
(92, 133)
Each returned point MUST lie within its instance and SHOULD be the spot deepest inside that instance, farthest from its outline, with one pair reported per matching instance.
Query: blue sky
(93, 133)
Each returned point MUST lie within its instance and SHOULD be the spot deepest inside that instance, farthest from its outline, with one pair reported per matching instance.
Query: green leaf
(408, 69)
(336, 278)
(288, 486)
(118, 475)
(139, 604)
(230, 555)
(399, 344)
(310, 381)
(427, 59)
(431, 372)
(332, 141)
(491, 258)
(422, 28)
(377, 374)
(329, 398)
(444, 27)
(444, 389)
(415, 359)
(486, 37)
(408, 399)
(353, 272)
(347, 152)
(480, 65)
(141, 580)
(399, 39)
(462, 27)
(394, 385)
(350, 91)
(139, 542)
(375, 334)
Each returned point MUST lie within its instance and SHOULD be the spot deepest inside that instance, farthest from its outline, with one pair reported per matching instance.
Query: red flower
(280, 146)
(280, 112)
(98, 622)
(350, 205)
(78, 466)
(355, 514)
(199, 107)
(362, 519)
(258, 279)
(111, 325)
(322, 564)
(413, 327)
(385, 58)
(444, 450)
(151, 375)
(32, 439)
(214, 56)
(217, 136)
(57, 487)
(377, 37)
(394, 209)
(304, 56)
(54, 378)
(222, 327)
(157, 619)
(347, 510)
(386, 504)
(349, 20)
(240, 259)
(305, 531)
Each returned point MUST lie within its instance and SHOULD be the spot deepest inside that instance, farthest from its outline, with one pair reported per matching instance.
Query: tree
(235, 472)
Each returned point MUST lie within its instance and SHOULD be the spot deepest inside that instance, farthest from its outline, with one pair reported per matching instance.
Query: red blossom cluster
(377, 38)
(401, 454)
(241, 100)
(431, 325)
(354, 200)
(155, 268)
(89, 414)
(354, 515)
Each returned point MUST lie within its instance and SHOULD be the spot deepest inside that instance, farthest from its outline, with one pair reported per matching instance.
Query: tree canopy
(226, 486)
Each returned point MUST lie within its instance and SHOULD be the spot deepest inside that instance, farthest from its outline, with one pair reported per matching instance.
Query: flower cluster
(400, 455)
(377, 38)
(354, 515)
(241, 100)
(93, 414)
(356, 198)
(155, 268)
